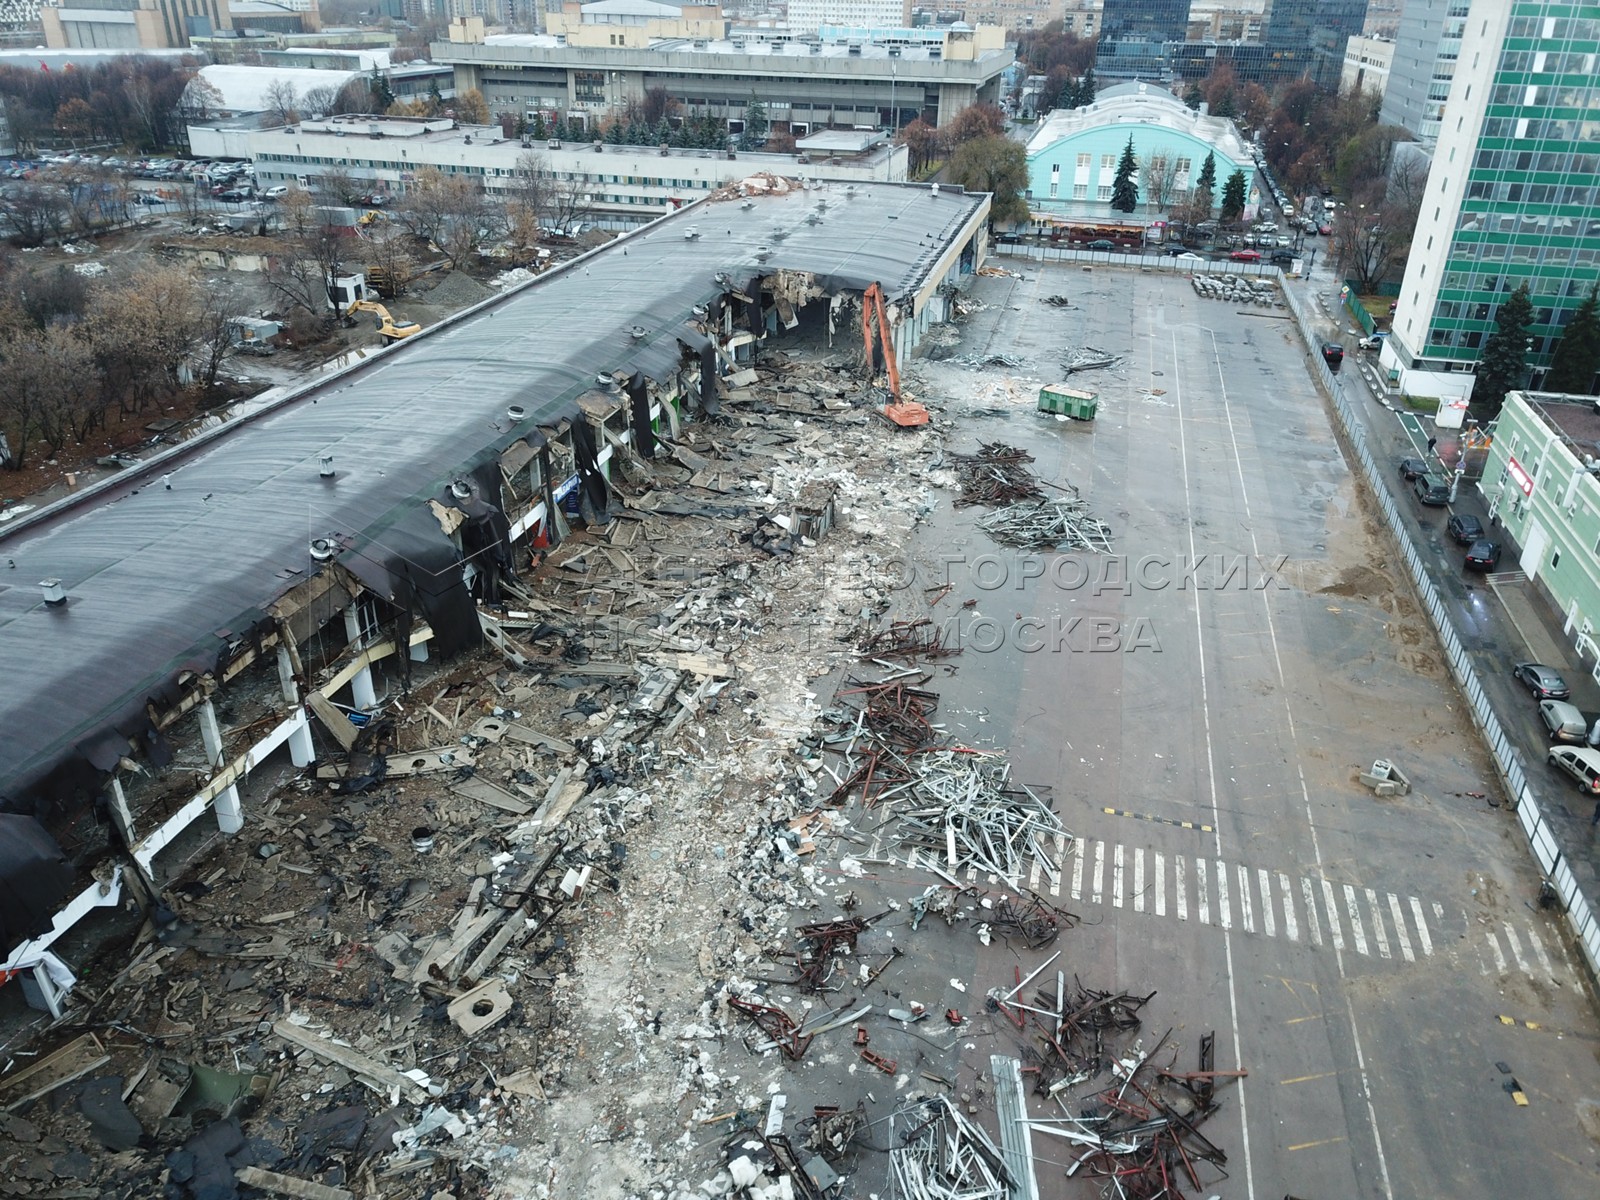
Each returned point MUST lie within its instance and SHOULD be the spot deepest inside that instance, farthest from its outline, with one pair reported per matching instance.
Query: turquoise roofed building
(1073, 157)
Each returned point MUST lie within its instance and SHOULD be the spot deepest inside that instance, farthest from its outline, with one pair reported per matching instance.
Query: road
(1359, 956)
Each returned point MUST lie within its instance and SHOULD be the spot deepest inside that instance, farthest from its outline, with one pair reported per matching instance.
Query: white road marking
(1400, 928)
(1116, 876)
(1161, 884)
(1224, 917)
(1202, 898)
(1289, 929)
(1516, 948)
(1335, 929)
(1177, 885)
(1357, 934)
(1061, 864)
(1494, 949)
(1138, 879)
(1538, 951)
(1312, 923)
(1268, 926)
(1077, 869)
(1423, 938)
(1099, 872)
(1378, 933)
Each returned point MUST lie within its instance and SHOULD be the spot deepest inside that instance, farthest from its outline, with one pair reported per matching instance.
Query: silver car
(1564, 722)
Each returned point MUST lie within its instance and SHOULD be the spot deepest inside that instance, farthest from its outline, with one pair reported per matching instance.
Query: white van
(1581, 762)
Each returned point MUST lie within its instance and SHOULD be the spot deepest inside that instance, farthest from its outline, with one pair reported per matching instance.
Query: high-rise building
(1320, 26)
(1145, 20)
(808, 16)
(1134, 36)
(1511, 198)
(1426, 48)
(132, 24)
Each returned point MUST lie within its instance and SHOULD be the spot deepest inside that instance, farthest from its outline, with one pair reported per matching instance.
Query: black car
(1544, 682)
(1463, 530)
(1332, 354)
(233, 196)
(1431, 491)
(1483, 555)
(1281, 258)
(1410, 468)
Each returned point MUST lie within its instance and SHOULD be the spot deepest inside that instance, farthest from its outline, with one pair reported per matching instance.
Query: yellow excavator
(389, 329)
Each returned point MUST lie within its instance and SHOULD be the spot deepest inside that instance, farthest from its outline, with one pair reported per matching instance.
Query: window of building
(1555, 560)
(1080, 191)
(1108, 163)
(1103, 192)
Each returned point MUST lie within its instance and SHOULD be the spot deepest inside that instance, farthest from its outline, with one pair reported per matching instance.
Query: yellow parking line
(1310, 1145)
(1309, 1078)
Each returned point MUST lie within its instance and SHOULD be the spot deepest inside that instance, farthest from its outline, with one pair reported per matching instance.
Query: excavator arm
(875, 314)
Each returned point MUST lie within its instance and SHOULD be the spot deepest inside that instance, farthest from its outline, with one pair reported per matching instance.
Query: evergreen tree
(1503, 365)
(1577, 356)
(755, 125)
(1087, 88)
(382, 93)
(1208, 172)
(435, 99)
(1125, 188)
(1233, 197)
(1194, 97)
(538, 128)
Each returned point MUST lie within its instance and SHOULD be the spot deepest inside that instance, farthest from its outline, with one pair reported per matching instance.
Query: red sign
(1522, 478)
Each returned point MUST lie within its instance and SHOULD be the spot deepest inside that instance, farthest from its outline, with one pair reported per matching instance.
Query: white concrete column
(363, 694)
(419, 652)
(229, 807)
(291, 690)
(121, 814)
(302, 750)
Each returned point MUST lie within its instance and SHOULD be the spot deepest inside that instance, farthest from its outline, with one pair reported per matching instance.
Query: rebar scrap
(907, 640)
(996, 474)
(938, 1154)
(1060, 523)
(776, 1024)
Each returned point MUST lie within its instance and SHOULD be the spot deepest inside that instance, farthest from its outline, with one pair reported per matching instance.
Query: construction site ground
(655, 805)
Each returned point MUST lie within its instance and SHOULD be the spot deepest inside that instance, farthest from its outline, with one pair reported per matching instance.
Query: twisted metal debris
(996, 474)
(937, 1154)
(1062, 523)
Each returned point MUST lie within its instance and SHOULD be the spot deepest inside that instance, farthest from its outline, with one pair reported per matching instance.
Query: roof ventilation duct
(54, 594)
(323, 550)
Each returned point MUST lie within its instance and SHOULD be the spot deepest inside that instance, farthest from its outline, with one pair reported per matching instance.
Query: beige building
(1366, 65)
(1227, 20)
(633, 23)
(132, 24)
(1081, 17)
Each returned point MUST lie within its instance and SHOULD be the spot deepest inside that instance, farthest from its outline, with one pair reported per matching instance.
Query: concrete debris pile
(1087, 358)
(1059, 523)
(1261, 290)
(996, 474)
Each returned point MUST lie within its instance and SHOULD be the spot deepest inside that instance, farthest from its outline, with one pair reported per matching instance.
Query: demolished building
(317, 549)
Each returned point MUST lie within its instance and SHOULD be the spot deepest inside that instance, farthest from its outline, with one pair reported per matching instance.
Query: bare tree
(388, 258)
(355, 97)
(448, 210)
(213, 333)
(34, 210)
(41, 387)
(1161, 178)
(318, 102)
(142, 330)
(280, 104)
(1372, 241)
(337, 186)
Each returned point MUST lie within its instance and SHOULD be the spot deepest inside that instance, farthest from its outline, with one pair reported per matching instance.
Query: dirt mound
(456, 291)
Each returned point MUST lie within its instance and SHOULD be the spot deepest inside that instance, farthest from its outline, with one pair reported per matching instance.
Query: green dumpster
(1068, 402)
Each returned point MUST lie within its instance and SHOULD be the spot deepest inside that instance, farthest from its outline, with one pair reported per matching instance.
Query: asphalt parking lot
(1373, 963)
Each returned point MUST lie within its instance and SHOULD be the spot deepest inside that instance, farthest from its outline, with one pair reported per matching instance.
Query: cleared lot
(1355, 953)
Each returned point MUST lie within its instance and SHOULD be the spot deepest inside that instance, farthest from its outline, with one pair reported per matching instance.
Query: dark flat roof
(1574, 418)
(155, 575)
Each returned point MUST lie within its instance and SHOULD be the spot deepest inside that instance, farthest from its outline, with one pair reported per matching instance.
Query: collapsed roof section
(171, 572)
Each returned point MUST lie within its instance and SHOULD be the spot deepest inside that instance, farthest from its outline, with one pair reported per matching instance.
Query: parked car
(1463, 529)
(1325, 229)
(1544, 682)
(1431, 491)
(1281, 258)
(233, 196)
(276, 192)
(147, 198)
(1410, 468)
(1581, 762)
(1101, 244)
(1246, 256)
(1190, 256)
(1332, 354)
(1482, 555)
(1563, 721)
(1375, 342)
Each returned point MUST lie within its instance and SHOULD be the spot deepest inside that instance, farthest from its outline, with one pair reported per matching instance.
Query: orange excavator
(907, 414)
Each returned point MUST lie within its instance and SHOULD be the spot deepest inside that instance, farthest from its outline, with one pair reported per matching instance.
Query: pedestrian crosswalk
(1313, 911)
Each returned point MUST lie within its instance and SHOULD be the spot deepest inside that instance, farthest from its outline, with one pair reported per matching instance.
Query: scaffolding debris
(1059, 523)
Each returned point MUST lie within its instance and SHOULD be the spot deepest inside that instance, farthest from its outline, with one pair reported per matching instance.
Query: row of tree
(126, 101)
(74, 351)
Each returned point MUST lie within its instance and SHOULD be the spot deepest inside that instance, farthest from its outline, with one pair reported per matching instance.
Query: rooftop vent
(763, 253)
(599, 147)
(54, 594)
(855, 49)
(638, 333)
(461, 489)
(517, 413)
(691, 233)
(553, 144)
(323, 550)
(326, 468)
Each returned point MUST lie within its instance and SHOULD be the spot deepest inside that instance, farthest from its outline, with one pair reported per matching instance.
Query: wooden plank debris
(378, 1076)
(333, 719)
(73, 1061)
(289, 1185)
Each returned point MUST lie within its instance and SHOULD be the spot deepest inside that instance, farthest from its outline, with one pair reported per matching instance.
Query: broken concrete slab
(289, 1185)
(485, 1005)
(380, 1077)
